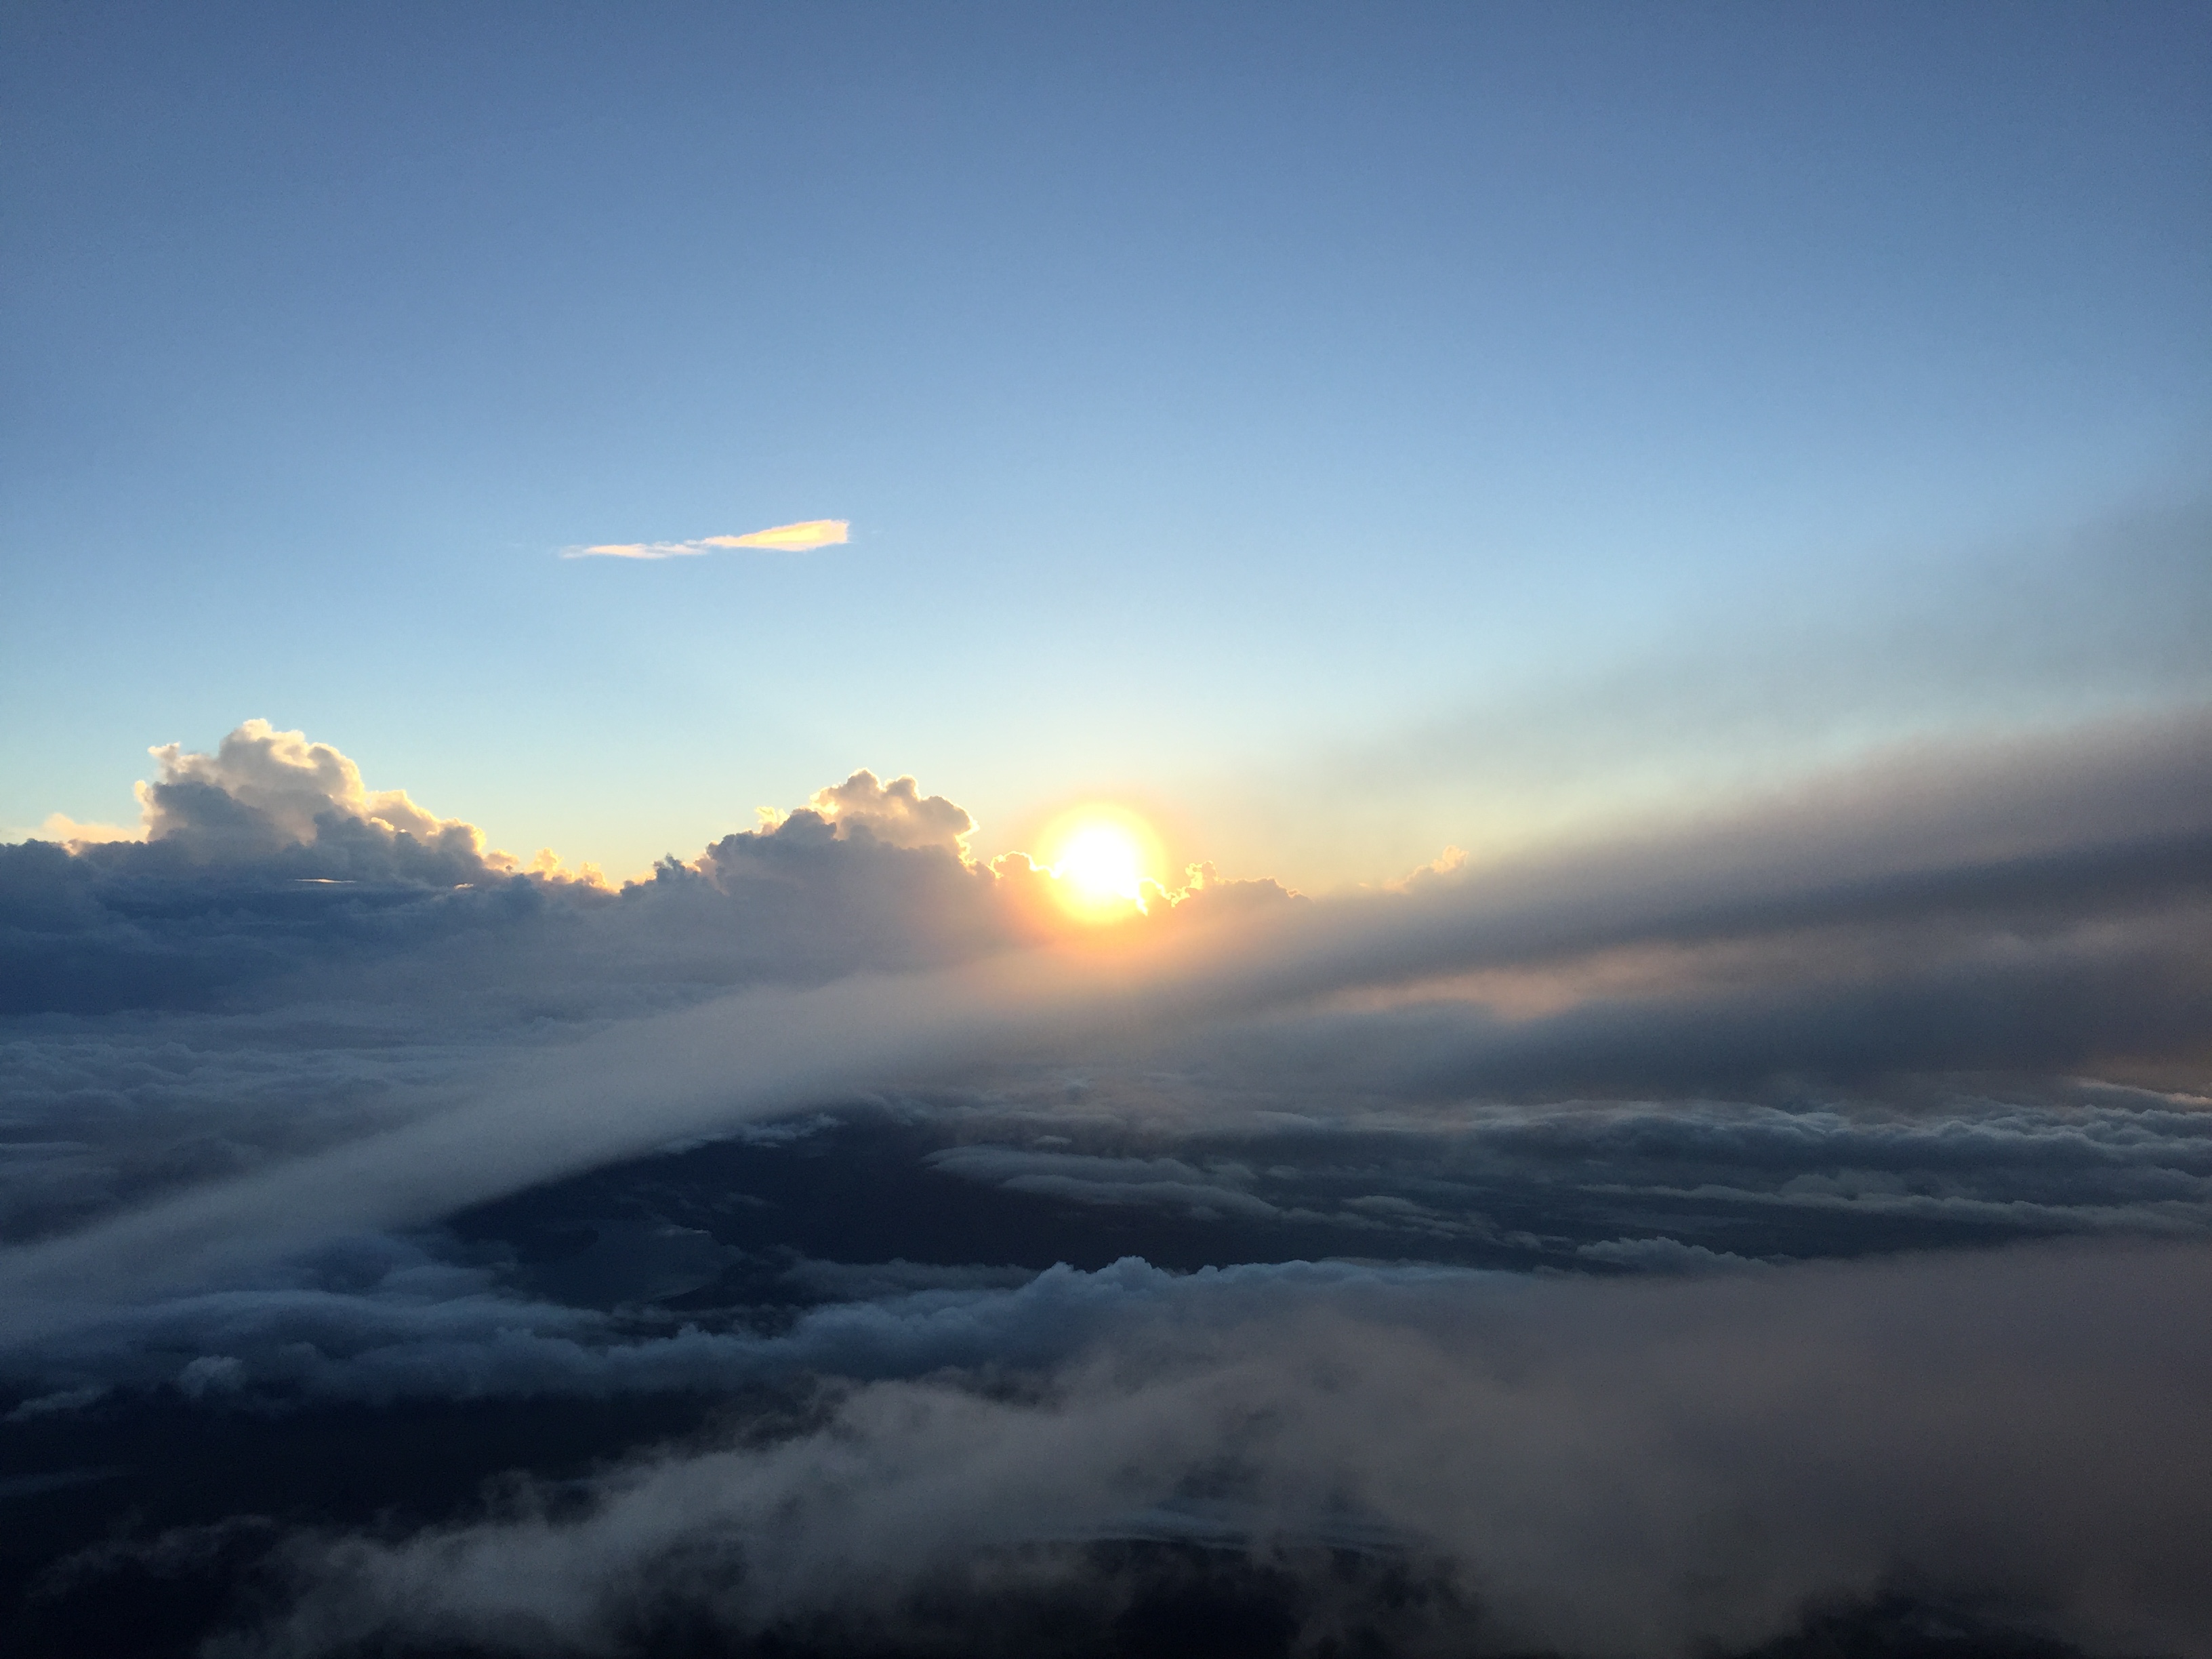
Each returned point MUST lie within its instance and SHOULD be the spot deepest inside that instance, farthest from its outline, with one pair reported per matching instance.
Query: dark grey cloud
(1040, 1179)
(1732, 1018)
(1166, 1182)
(378, 1319)
(1610, 1468)
(698, 1269)
(98, 1114)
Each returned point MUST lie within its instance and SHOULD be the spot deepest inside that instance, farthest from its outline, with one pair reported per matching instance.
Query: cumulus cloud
(801, 537)
(262, 862)
(277, 782)
(323, 961)
(895, 813)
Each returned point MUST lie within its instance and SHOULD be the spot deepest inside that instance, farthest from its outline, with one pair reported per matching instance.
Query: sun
(1100, 858)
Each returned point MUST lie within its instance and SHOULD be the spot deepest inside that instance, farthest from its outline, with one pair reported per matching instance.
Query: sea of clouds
(1634, 1243)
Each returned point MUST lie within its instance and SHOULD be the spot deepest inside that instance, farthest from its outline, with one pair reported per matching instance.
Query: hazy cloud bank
(1608, 1469)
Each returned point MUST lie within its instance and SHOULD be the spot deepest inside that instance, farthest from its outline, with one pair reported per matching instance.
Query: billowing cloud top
(264, 788)
(801, 537)
(896, 812)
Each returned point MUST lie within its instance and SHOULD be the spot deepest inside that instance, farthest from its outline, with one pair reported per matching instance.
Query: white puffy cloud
(896, 812)
(271, 783)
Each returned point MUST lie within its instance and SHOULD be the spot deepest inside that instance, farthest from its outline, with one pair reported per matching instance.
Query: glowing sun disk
(1100, 858)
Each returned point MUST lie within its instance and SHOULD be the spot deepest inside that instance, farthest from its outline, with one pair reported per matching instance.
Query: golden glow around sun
(1100, 858)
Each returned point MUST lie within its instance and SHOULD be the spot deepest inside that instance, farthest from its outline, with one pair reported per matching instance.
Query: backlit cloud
(801, 537)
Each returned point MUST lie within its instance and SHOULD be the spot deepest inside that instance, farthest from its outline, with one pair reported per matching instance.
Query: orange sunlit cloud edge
(1105, 862)
(1094, 864)
(803, 536)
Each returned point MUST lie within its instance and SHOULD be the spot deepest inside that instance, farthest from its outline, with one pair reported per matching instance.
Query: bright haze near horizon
(1215, 830)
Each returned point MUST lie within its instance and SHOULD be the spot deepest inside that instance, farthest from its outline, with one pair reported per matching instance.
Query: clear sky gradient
(1337, 431)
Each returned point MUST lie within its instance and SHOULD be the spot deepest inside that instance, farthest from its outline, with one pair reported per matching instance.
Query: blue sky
(1337, 432)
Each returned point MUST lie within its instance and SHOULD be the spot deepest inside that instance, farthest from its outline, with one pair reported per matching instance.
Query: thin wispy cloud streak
(803, 536)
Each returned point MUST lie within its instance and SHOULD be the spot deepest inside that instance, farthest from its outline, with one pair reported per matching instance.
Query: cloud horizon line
(2095, 831)
(802, 536)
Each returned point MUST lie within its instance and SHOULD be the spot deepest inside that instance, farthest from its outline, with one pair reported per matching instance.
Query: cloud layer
(2034, 927)
(1595, 1250)
(1606, 1469)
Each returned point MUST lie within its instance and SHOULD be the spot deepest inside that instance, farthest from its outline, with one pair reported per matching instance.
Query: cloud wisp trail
(803, 536)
